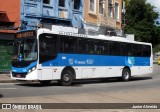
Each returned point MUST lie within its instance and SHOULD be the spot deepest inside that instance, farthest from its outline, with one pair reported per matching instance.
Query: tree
(157, 22)
(126, 2)
(141, 18)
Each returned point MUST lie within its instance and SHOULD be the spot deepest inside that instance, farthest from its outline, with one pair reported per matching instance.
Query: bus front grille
(19, 75)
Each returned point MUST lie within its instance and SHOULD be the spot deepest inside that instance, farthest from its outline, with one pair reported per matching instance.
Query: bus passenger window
(97, 47)
(114, 48)
(47, 47)
(68, 44)
(146, 51)
(84, 46)
(137, 50)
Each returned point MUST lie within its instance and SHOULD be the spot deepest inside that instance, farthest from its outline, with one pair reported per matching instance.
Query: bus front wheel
(66, 78)
(126, 74)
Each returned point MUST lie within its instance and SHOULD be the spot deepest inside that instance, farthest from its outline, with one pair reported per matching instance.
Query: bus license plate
(18, 75)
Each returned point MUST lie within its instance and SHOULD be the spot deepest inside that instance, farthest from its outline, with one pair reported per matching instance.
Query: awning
(7, 36)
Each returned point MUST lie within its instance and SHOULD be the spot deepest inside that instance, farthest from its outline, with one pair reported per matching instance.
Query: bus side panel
(97, 72)
(141, 70)
(50, 73)
(94, 66)
(141, 65)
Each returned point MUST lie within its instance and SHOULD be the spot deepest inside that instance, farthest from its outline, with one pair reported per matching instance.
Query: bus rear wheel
(66, 78)
(126, 74)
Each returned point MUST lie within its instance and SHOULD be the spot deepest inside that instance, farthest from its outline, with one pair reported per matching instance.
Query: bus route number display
(25, 34)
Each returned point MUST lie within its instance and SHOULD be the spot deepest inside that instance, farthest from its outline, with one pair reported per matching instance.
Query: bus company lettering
(81, 62)
(71, 61)
(89, 61)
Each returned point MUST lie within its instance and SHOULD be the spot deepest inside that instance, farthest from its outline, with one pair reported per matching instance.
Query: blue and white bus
(47, 55)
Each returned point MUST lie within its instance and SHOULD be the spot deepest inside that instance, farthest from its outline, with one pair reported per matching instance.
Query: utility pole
(123, 18)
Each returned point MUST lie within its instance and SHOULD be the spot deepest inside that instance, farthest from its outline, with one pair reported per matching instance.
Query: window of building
(101, 7)
(62, 3)
(93, 5)
(76, 4)
(6, 25)
(116, 11)
(46, 1)
(109, 8)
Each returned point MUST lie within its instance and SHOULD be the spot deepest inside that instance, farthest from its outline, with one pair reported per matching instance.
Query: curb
(8, 81)
(5, 78)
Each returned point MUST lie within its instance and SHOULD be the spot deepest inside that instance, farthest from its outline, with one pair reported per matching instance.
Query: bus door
(47, 55)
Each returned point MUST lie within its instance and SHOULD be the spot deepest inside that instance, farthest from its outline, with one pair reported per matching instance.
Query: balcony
(105, 21)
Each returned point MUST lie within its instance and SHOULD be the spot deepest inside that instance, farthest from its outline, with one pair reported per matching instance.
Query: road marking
(8, 88)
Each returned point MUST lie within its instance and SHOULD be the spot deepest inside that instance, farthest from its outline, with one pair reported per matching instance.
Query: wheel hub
(66, 77)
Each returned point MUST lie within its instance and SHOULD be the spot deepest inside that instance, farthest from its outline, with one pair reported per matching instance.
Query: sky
(155, 3)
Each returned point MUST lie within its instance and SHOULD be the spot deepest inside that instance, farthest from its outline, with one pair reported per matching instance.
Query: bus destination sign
(25, 34)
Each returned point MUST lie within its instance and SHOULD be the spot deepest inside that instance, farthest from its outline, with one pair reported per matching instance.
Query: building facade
(30, 14)
(103, 16)
(9, 23)
(9, 14)
(95, 16)
(34, 13)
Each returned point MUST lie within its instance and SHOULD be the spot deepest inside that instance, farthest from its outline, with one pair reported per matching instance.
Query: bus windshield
(25, 50)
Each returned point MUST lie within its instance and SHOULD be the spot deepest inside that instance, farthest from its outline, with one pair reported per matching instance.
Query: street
(10, 90)
(143, 89)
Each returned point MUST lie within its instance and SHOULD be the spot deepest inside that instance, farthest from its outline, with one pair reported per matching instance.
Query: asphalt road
(10, 90)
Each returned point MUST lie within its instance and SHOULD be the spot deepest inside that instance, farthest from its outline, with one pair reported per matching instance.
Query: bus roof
(102, 37)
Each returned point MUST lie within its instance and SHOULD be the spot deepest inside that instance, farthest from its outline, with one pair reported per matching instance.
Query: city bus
(66, 55)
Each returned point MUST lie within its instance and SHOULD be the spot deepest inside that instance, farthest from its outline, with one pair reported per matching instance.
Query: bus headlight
(31, 70)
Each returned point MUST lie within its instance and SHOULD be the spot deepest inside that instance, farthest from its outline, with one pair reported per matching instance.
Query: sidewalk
(5, 78)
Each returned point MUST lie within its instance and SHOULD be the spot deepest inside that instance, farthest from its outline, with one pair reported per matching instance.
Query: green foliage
(126, 2)
(141, 18)
(5, 58)
(156, 48)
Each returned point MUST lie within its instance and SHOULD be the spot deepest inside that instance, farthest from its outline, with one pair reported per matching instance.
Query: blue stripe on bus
(24, 69)
(97, 60)
(89, 60)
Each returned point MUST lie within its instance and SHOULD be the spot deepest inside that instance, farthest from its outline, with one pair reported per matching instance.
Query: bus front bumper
(25, 76)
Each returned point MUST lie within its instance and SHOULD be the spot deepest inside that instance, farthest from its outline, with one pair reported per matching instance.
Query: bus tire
(126, 74)
(66, 78)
